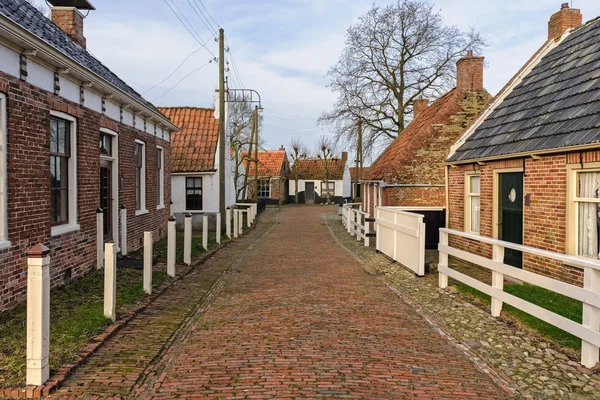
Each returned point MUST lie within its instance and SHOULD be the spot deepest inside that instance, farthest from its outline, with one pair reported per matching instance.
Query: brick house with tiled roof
(312, 176)
(273, 175)
(528, 170)
(410, 173)
(356, 175)
(74, 138)
(195, 163)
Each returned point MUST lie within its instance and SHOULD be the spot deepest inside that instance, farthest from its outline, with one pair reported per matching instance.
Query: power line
(203, 18)
(188, 29)
(208, 12)
(287, 121)
(288, 115)
(177, 84)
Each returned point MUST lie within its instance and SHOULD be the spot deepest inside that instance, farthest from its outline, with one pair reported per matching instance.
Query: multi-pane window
(588, 209)
(60, 152)
(140, 176)
(193, 193)
(160, 177)
(3, 218)
(106, 145)
(474, 202)
(264, 188)
(327, 187)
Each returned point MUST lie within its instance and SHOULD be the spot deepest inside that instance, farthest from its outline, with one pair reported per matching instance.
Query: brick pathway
(294, 316)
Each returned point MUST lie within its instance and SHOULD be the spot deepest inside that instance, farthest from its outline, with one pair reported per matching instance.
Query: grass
(557, 303)
(76, 315)
(159, 248)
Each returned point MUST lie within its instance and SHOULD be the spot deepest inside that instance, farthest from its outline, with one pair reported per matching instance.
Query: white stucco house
(314, 180)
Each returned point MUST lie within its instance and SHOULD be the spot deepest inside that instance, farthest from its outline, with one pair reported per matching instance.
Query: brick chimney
(419, 105)
(469, 73)
(563, 20)
(70, 20)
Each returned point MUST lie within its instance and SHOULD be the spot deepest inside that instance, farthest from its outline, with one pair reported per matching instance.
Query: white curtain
(475, 203)
(589, 187)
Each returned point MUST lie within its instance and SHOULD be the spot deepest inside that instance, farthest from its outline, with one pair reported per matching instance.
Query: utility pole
(222, 123)
(256, 153)
(359, 155)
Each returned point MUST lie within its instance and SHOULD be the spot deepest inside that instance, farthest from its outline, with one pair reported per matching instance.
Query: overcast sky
(283, 49)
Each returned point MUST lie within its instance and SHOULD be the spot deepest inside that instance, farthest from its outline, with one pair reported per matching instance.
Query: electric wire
(182, 79)
(208, 12)
(188, 29)
(203, 18)
(289, 115)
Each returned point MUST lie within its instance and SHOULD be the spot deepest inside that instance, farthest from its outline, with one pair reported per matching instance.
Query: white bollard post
(366, 228)
(228, 222)
(236, 216)
(99, 238)
(38, 315)
(591, 318)
(205, 232)
(187, 240)
(255, 212)
(171, 246)
(171, 208)
(241, 221)
(497, 279)
(443, 261)
(124, 231)
(148, 262)
(249, 216)
(218, 228)
(110, 280)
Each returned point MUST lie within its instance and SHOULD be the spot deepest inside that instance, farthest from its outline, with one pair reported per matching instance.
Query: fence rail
(588, 331)
(355, 222)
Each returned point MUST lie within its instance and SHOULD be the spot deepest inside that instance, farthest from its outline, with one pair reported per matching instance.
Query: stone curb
(66, 370)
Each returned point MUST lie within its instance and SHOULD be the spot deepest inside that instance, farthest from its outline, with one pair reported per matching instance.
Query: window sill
(140, 212)
(62, 229)
(4, 244)
(160, 207)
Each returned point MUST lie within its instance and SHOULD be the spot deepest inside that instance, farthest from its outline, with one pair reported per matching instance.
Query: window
(356, 189)
(160, 177)
(588, 207)
(140, 177)
(3, 217)
(473, 203)
(324, 188)
(264, 188)
(106, 148)
(193, 193)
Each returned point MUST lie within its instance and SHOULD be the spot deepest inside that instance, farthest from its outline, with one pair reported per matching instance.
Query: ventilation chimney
(66, 14)
(282, 148)
(469, 73)
(419, 105)
(563, 20)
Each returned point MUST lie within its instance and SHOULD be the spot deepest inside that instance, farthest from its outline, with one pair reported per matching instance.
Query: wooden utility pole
(222, 123)
(359, 156)
(256, 153)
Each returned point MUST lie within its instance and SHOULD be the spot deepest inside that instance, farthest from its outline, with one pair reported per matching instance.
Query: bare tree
(240, 121)
(325, 152)
(41, 7)
(299, 152)
(392, 56)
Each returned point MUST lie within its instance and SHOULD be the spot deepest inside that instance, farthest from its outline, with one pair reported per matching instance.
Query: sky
(283, 49)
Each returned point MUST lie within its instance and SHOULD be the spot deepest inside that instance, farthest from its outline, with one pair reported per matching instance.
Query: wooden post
(591, 318)
(377, 236)
(236, 216)
(187, 239)
(358, 225)
(99, 238)
(171, 208)
(241, 221)
(110, 280)
(443, 261)
(348, 221)
(205, 232)
(38, 315)
(123, 231)
(218, 228)
(148, 262)
(171, 246)
(497, 279)
(366, 228)
(228, 222)
(395, 236)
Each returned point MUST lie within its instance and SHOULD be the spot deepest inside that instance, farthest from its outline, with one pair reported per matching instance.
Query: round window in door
(512, 195)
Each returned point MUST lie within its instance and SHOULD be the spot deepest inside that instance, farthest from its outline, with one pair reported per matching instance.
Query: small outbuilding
(317, 177)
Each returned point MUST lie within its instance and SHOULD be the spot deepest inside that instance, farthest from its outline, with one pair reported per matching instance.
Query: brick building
(273, 175)
(528, 169)
(356, 175)
(314, 180)
(73, 138)
(410, 173)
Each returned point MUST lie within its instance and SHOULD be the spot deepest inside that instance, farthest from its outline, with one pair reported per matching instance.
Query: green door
(511, 215)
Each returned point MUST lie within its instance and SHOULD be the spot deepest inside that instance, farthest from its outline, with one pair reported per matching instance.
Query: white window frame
(115, 180)
(573, 171)
(259, 188)
(142, 210)
(329, 189)
(4, 242)
(468, 203)
(73, 224)
(161, 179)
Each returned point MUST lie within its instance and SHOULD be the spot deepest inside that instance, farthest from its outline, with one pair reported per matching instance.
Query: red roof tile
(270, 163)
(314, 168)
(193, 148)
(353, 171)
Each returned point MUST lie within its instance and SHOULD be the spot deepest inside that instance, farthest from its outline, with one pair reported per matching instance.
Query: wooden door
(106, 197)
(511, 215)
(310, 192)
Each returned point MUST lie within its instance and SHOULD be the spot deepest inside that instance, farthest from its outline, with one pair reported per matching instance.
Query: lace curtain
(589, 187)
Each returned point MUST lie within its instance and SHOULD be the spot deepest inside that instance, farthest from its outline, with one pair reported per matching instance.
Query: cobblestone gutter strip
(527, 365)
(56, 381)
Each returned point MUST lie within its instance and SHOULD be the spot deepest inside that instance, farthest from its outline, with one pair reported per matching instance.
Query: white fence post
(241, 221)
(348, 221)
(236, 217)
(99, 238)
(254, 212)
(148, 262)
(110, 280)
(228, 222)
(205, 232)
(187, 239)
(171, 246)
(358, 224)
(497, 279)
(38, 315)
(395, 257)
(124, 231)
(171, 208)
(218, 228)
(366, 228)
(377, 239)
(591, 318)
(443, 261)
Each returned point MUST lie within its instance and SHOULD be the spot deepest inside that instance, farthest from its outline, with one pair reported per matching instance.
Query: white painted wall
(339, 186)
(112, 110)
(127, 118)
(9, 61)
(347, 182)
(210, 193)
(92, 101)
(69, 89)
(40, 76)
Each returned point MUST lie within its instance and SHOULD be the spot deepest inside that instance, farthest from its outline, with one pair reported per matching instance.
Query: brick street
(282, 312)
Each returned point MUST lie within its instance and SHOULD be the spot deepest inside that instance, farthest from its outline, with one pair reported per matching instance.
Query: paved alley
(282, 312)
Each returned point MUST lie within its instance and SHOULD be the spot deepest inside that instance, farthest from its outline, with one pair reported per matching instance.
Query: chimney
(419, 105)
(66, 14)
(469, 73)
(563, 20)
(344, 156)
(282, 148)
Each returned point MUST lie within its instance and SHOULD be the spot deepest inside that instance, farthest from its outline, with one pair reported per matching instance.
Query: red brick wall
(28, 185)
(414, 196)
(71, 22)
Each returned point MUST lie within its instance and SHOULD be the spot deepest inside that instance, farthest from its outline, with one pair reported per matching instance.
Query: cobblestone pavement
(283, 312)
(535, 368)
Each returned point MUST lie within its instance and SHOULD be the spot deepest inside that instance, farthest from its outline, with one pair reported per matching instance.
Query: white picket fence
(355, 221)
(401, 236)
(589, 295)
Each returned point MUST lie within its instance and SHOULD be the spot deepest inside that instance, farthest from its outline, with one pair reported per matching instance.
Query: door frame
(114, 182)
(496, 198)
(306, 200)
